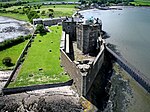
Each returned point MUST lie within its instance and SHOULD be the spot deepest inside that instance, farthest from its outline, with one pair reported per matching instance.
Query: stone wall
(48, 21)
(70, 66)
(93, 71)
(20, 60)
(72, 70)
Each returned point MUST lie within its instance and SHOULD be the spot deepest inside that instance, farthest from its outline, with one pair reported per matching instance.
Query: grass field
(13, 52)
(59, 10)
(40, 57)
(141, 2)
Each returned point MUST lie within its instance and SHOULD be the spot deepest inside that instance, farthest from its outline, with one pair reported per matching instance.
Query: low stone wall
(19, 61)
(136, 74)
(48, 21)
(7, 91)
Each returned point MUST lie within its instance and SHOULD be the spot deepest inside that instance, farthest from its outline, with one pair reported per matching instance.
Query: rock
(76, 62)
(86, 67)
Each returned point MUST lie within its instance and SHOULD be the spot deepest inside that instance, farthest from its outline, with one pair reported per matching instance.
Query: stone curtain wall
(70, 66)
(19, 61)
(95, 67)
(72, 70)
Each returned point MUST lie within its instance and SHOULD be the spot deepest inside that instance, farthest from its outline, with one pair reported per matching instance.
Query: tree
(32, 15)
(40, 29)
(43, 12)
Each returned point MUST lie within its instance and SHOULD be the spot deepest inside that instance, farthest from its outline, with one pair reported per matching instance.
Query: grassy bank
(42, 64)
(141, 2)
(22, 17)
(13, 52)
(59, 10)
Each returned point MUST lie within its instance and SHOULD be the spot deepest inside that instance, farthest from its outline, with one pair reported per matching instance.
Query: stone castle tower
(87, 35)
(69, 26)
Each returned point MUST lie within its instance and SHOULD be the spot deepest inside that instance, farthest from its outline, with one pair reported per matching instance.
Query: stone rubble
(59, 99)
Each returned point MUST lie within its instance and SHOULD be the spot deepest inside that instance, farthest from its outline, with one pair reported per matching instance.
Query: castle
(82, 50)
(85, 32)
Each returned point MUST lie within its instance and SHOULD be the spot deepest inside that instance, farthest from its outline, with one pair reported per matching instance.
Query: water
(129, 30)
(11, 28)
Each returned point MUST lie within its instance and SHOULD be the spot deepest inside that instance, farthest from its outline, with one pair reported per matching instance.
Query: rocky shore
(11, 28)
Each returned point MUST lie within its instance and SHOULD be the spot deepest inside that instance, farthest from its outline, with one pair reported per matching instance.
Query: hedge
(11, 42)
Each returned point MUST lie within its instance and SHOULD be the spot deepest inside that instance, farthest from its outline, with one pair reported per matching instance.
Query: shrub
(7, 61)
(38, 11)
(40, 29)
(43, 12)
(50, 10)
(32, 15)
(11, 42)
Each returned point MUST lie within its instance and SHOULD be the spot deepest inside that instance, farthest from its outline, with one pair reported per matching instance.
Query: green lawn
(141, 2)
(13, 52)
(15, 16)
(39, 56)
(59, 10)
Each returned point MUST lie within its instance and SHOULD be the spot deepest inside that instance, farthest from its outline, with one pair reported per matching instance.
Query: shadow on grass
(9, 64)
(43, 33)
